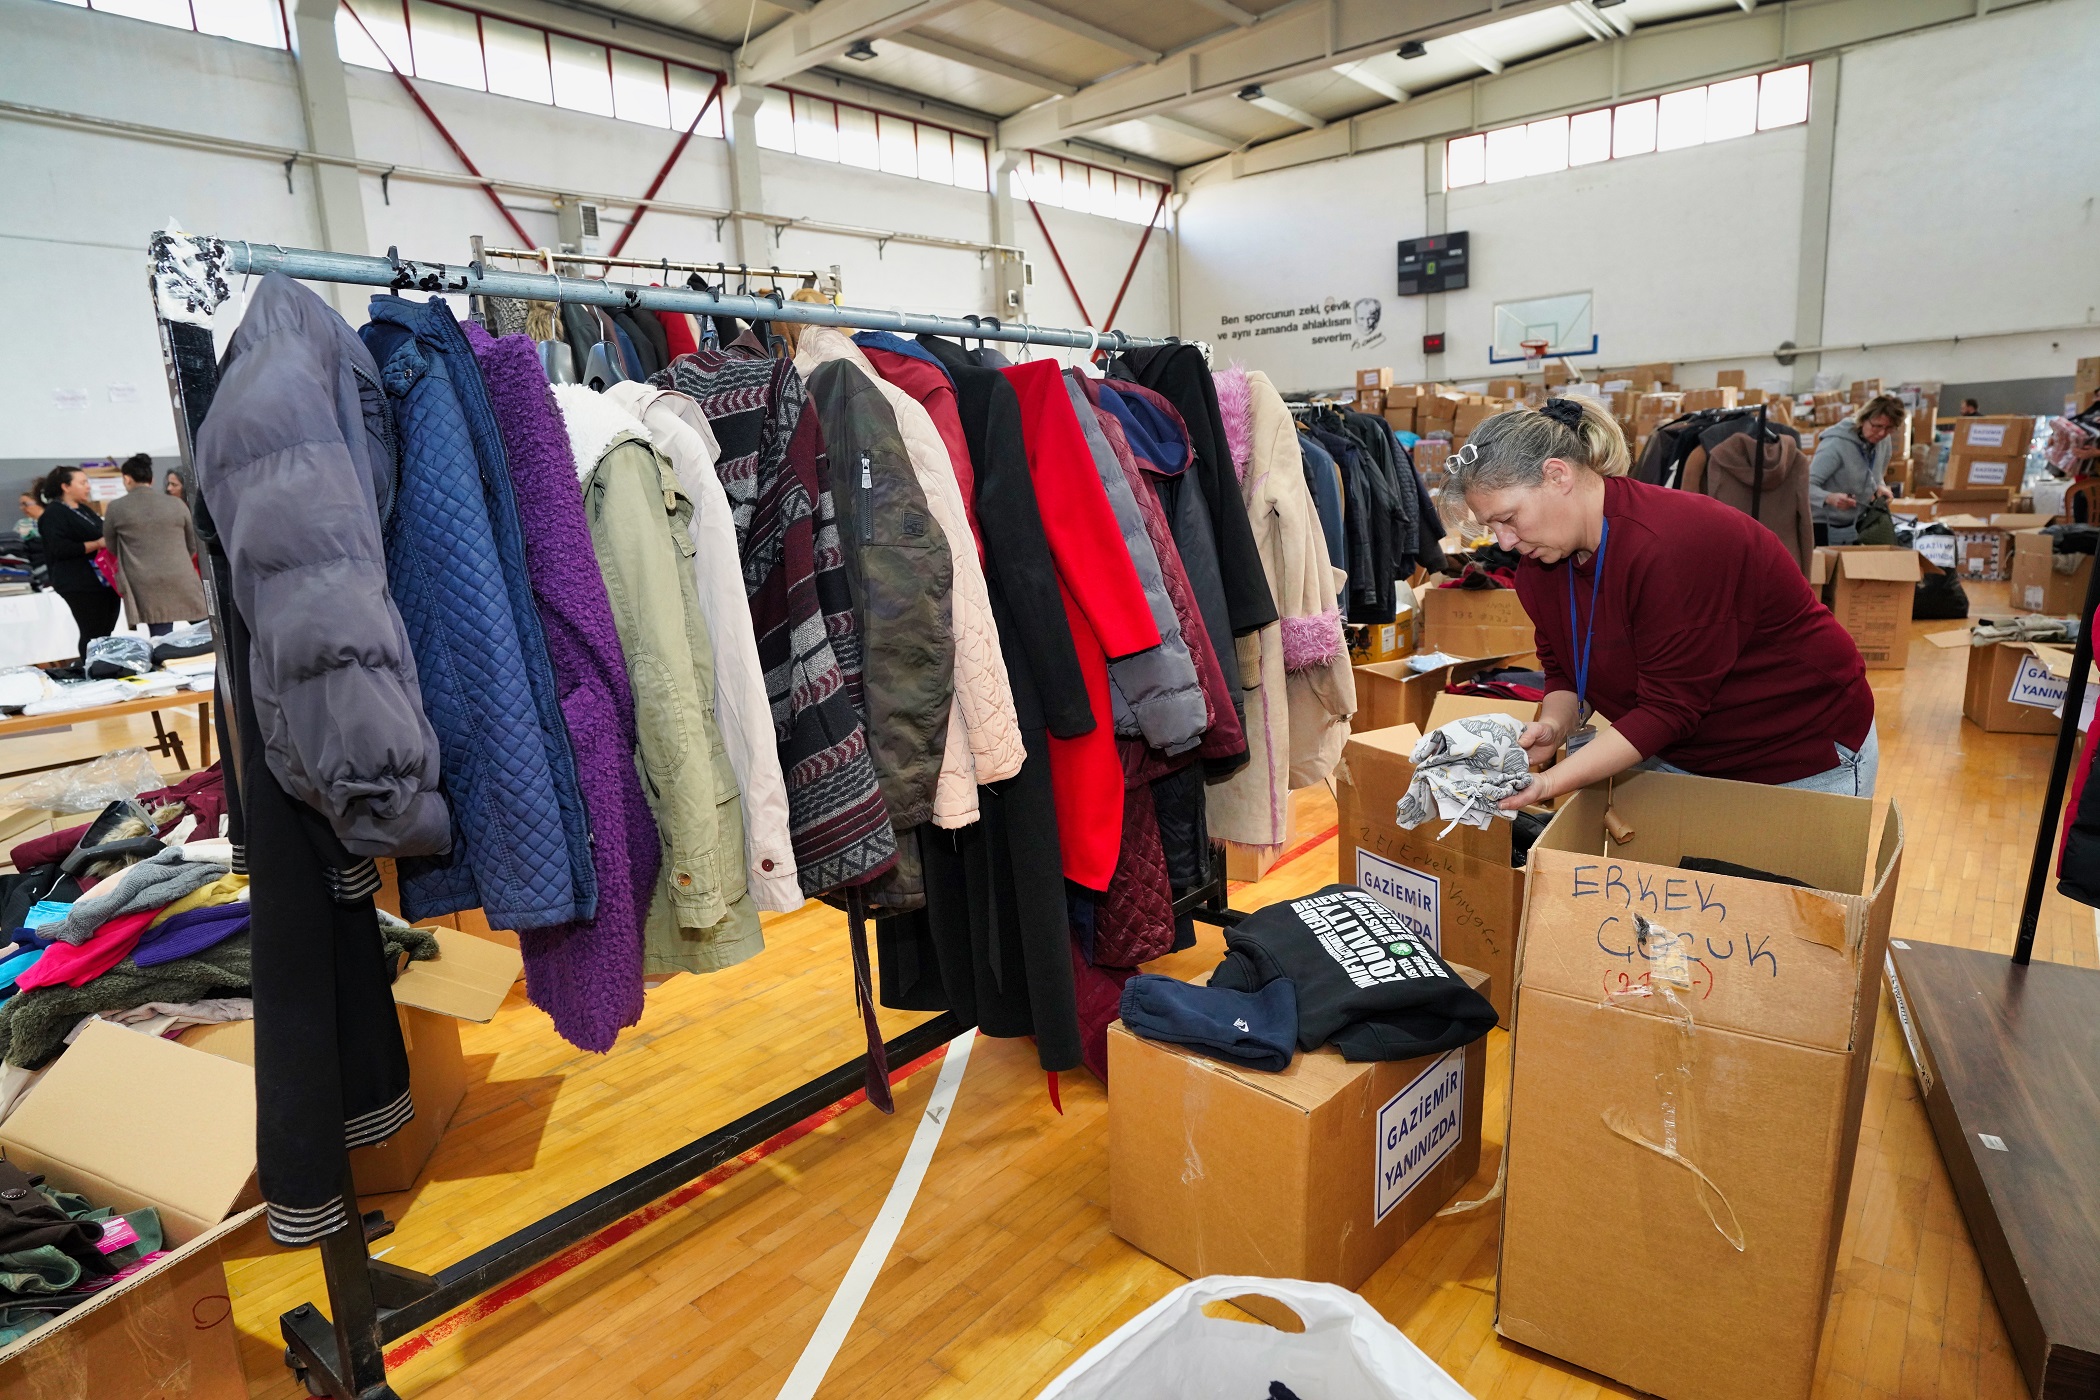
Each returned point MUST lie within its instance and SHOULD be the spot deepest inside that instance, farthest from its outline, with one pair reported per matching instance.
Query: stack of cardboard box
(2037, 585)
(1983, 548)
(2085, 391)
(1371, 387)
(1988, 459)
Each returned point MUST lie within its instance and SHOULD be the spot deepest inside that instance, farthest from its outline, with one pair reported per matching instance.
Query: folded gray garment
(2023, 629)
(150, 884)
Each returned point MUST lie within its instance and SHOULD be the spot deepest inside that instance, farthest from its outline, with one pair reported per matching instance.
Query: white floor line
(874, 1252)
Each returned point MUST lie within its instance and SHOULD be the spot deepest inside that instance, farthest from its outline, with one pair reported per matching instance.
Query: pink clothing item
(76, 965)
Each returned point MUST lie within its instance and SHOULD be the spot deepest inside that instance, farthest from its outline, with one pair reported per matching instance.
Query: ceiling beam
(1360, 73)
(1225, 9)
(1176, 126)
(1290, 41)
(823, 32)
(1472, 52)
(1058, 19)
(983, 62)
(1284, 110)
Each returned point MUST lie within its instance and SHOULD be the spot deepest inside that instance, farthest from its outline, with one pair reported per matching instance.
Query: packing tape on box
(1669, 972)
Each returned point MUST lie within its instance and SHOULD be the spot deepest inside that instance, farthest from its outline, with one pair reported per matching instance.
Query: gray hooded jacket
(296, 460)
(1846, 464)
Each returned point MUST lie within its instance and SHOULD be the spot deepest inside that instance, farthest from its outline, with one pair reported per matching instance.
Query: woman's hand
(1543, 787)
(91, 546)
(1540, 740)
(1882, 493)
(1841, 499)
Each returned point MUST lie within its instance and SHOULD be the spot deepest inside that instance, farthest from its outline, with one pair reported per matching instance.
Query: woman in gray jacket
(1851, 459)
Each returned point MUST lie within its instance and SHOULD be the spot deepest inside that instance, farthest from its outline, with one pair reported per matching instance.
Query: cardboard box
(1869, 589)
(1370, 401)
(1917, 507)
(467, 981)
(1982, 550)
(2002, 435)
(1608, 1246)
(1507, 388)
(1382, 641)
(1318, 1172)
(2037, 586)
(1696, 400)
(1967, 472)
(1468, 416)
(1391, 692)
(1731, 379)
(1400, 419)
(2017, 687)
(128, 1121)
(1475, 622)
(1434, 412)
(1374, 379)
(1460, 892)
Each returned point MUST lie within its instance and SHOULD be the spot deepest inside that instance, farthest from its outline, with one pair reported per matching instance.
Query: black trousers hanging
(330, 1069)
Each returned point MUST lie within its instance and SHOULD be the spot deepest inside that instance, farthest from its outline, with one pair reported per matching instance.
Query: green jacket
(701, 918)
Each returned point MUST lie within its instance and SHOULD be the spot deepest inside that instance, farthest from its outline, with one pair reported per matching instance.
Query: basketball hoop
(1534, 353)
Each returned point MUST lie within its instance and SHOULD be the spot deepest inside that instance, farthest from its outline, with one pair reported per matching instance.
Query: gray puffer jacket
(296, 461)
(1846, 464)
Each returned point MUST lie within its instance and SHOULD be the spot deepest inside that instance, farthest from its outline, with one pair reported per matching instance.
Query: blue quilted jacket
(456, 568)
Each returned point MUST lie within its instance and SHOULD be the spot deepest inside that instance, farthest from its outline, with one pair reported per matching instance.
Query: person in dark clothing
(1711, 653)
(72, 535)
(1969, 409)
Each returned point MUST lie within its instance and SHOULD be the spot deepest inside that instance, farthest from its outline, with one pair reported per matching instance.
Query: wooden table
(165, 741)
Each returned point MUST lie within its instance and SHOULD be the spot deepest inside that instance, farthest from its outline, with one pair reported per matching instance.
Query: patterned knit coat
(801, 609)
(587, 976)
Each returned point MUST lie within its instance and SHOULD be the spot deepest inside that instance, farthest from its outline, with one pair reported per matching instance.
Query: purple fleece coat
(587, 976)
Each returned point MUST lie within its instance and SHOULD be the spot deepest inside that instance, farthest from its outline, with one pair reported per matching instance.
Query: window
(816, 127)
(1675, 121)
(370, 36)
(900, 145)
(250, 21)
(936, 155)
(640, 94)
(690, 88)
(776, 123)
(517, 62)
(858, 145)
(446, 45)
(971, 169)
(582, 75)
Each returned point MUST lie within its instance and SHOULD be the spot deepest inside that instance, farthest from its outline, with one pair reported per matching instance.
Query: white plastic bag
(1172, 1351)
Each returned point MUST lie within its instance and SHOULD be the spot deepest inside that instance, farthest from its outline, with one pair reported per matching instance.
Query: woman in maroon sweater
(1684, 622)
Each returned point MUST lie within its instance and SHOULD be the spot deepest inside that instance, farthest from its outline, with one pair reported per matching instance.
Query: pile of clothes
(1335, 967)
(1463, 772)
(57, 1250)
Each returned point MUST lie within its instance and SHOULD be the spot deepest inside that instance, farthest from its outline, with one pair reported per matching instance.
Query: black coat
(1178, 374)
(66, 532)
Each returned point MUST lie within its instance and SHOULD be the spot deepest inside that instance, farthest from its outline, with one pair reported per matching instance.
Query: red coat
(1105, 605)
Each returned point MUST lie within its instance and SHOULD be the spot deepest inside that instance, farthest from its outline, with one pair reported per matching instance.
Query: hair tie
(1565, 412)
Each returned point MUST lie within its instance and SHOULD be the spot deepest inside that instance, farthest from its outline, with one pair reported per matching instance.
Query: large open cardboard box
(1614, 1255)
(1318, 1172)
(2017, 687)
(1391, 692)
(1460, 892)
(1870, 589)
(129, 1120)
(467, 981)
(1475, 622)
(2036, 584)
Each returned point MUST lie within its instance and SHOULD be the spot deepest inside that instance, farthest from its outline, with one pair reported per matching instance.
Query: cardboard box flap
(2058, 661)
(1771, 960)
(152, 1121)
(1879, 565)
(1964, 522)
(468, 978)
(1949, 638)
(1449, 707)
(2021, 522)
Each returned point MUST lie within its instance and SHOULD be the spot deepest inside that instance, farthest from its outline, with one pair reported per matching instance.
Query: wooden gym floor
(1006, 1270)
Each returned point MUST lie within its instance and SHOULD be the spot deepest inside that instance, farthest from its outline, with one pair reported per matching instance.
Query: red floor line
(541, 1275)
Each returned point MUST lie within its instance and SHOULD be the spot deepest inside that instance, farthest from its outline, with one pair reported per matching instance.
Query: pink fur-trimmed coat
(1300, 689)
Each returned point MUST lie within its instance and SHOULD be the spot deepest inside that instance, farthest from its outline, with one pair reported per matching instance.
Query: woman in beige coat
(1300, 690)
(155, 546)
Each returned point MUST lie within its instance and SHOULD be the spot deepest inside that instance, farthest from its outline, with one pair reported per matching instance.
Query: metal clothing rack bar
(370, 1301)
(2059, 777)
(546, 255)
(479, 280)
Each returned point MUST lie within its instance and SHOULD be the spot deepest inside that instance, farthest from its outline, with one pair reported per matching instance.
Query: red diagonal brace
(417, 98)
(642, 207)
(1070, 285)
(1134, 259)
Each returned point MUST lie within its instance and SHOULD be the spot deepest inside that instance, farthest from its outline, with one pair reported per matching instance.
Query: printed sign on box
(1418, 1126)
(1937, 548)
(1986, 473)
(1408, 893)
(1986, 435)
(2033, 685)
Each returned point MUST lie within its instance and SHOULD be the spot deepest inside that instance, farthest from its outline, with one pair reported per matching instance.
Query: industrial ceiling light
(1250, 93)
(1606, 4)
(860, 49)
(1412, 49)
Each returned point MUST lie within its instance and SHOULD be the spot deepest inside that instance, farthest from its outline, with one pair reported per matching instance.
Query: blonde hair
(1881, 406)
(1511, 448)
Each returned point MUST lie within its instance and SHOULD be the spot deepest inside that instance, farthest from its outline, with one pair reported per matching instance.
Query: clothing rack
(808, 277)
(370, 1301)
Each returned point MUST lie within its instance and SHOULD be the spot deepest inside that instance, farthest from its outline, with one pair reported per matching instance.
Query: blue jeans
(1854, 775)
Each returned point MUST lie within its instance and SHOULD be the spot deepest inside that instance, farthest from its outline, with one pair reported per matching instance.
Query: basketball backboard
(1562, 321)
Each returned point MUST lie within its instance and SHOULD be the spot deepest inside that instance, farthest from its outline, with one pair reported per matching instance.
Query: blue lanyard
(1589, 634)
